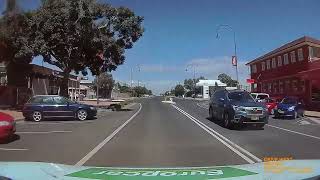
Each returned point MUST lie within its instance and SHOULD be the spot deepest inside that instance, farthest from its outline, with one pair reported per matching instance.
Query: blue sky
(182, 32)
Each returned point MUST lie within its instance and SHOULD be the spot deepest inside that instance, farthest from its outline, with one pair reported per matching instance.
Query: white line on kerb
(42, 132)
(222, 139)
(303, 134)
(106, 140)
(12, 149)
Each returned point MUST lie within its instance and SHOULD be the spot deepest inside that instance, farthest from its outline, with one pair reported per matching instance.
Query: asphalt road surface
(151, 133)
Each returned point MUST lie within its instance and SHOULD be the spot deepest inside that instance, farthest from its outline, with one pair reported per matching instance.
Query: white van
(259, 97)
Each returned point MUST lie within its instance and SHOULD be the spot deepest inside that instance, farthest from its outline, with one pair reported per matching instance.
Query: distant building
(207, 87)
(290, 70)
(40, 81)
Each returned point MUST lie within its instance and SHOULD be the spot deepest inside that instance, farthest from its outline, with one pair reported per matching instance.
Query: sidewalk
(17, 115)
(312, 114)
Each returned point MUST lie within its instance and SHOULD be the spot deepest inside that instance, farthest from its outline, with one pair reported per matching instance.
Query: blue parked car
(290, 106)
(47, 106)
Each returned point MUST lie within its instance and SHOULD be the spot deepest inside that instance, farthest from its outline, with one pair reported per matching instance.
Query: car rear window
(240, 96)
(262, 96)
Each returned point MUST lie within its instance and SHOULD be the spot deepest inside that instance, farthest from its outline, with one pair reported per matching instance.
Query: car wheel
(36, 116)
(82, 114)
(227, 123)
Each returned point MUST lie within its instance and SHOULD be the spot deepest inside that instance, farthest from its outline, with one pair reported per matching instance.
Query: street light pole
(235, 45)
(138, 75)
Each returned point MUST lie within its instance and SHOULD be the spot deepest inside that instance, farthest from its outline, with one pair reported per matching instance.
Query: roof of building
(286, 46)
(210, 83)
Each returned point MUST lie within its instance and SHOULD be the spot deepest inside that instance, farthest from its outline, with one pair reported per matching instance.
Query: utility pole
(97, 89)
(194, 77)
(139, 74)
(235, 46)
(131, 77)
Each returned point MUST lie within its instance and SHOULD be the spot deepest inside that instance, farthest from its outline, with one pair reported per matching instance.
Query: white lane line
(41, 132)
(106, 140)
(11, 149)
(303, 134)
(222, 139)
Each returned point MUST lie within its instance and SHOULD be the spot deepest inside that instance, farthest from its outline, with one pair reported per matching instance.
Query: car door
(47, 106)
(62, 107)
(214, 104)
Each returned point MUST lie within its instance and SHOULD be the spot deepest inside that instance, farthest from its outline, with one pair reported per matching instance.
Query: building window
(279, 61)
(285, 59)
(293, 56)
(287, 85)
(302, 85)
(263, 66)
(274, 63)
(294, 85)
(275, 87)
(314, 53)
(269, 87)
(268, 64)
(280, 86)
(253, 68)
(300, 54)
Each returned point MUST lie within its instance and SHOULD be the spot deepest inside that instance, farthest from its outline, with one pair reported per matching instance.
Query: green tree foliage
(81, 35)
(227, 80)
(179, 90)
(105, 83)
(123, 88)
(139, 91)
(189, 83)
(16, 46)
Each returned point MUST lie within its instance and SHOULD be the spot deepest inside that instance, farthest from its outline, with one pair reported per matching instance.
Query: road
(150, 133)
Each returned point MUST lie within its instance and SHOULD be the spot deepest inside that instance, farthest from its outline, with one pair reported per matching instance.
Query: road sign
(234, 60)
(250, 81)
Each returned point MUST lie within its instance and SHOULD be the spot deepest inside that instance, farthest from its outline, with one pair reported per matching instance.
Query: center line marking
(106, 140)
(236, 149)
(303, 134)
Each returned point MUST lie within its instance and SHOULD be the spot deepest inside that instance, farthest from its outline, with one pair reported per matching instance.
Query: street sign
(250, 81)
(234, 60)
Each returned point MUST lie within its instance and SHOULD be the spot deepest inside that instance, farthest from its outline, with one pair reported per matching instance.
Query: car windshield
(240, 96)
(289, 101)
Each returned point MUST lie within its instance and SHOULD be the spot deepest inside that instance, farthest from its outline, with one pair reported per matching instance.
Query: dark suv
(237, 107)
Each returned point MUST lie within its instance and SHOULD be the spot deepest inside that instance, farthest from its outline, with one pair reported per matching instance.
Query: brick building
(290, 70)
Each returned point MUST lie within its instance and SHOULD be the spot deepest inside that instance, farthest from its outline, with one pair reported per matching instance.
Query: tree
(105, 84)
(81, 35)
(227, 80)
(179, 90)
(123, 88)
(190, 83)
(16, 45)
(139, 91)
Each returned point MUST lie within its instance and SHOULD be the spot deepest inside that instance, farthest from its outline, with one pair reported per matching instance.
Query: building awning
(312, 74)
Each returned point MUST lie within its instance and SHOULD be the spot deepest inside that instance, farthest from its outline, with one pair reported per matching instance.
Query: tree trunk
(64, 84)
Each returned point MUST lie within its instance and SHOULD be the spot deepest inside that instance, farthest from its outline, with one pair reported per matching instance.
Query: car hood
(293, 169)
(285, 106)
(248, 104)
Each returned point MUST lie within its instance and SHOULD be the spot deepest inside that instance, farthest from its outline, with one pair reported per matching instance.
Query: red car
(7, 126)
(271, 103)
